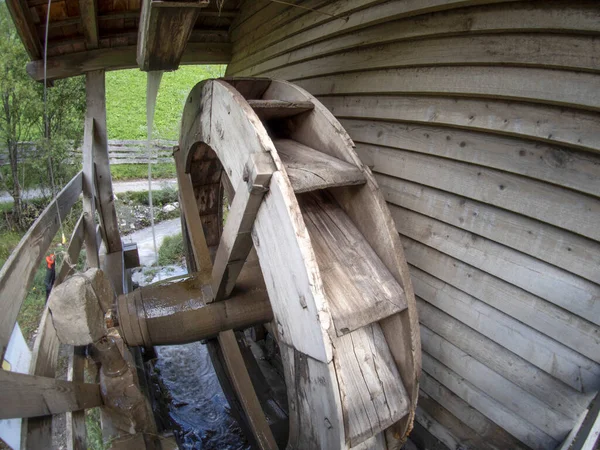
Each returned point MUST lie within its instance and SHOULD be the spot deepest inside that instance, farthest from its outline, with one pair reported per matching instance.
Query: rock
(169, 208)
(78, 306)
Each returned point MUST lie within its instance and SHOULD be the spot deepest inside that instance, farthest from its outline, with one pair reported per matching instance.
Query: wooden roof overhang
(86, 35)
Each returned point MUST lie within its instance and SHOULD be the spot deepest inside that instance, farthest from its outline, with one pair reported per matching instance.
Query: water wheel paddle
(345, 319)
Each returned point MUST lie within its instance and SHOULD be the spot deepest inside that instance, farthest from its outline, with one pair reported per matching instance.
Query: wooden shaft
(179, 312)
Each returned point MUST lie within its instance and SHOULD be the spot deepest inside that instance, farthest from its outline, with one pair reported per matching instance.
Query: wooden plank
(544, 352)
(527, 49)
(546, 123)
(372, 397)
(574, 17)
(448, 436)
(572, 331)
(75, 421)
(163, 34)
(32, 396)
(96, 108)
(547, 282)
(250, 88)
(89, 22)
(117, 58)
(278, 109)
(89, 194)
(245, 391)
(478, 399)
(587, 438)
(21, 16)
(189, 208)
(522, 373)
(547, 203)
(568, 251)
(557, 165)
(520, 402)
(350, 16)
(20, 268)
(360, 289)
(491, 434)
(72, 254)
(236, 239)
(578, 89)
(309, 169)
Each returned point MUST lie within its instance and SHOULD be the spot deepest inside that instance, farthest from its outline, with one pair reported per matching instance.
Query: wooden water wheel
(345, 320)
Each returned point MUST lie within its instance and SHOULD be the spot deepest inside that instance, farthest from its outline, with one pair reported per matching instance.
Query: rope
(47, 125)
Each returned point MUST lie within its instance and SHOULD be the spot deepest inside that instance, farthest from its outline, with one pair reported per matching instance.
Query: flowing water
(197, 407)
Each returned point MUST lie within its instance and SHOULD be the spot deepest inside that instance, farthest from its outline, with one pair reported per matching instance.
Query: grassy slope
(126, 101)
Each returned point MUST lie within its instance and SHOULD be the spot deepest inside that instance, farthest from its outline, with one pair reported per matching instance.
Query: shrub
(171, 251)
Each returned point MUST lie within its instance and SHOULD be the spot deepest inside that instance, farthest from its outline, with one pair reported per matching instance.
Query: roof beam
(74, 64)
(89, 22)
(24, 23)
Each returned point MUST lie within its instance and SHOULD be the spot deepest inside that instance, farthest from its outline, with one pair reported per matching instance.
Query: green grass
(126, 101)
(171, 251)
(160, 197)
(121, 172)
(94, 430)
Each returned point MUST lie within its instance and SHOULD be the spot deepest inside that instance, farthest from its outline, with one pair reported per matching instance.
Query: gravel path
(118, 188)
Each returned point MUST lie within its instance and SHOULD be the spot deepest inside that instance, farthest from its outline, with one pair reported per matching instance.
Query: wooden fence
(119, 152)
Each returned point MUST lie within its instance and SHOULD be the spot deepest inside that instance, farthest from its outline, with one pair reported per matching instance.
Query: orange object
(50, 260)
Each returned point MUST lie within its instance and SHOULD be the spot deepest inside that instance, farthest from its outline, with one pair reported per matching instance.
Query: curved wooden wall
(481, 121)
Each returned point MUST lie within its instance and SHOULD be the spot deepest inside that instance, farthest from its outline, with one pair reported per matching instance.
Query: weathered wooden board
(75, 421)
(278, 109)
(554, 285)
(309, 169)
(21, 15)
(491, 434)
(20, 268)
(576, 16)
(546, 388)
(373, 397)
(507, 419)
(360, 289)
(552, 164)
(569, 127)
(31, 396)
(578, 89)
(451, 436)
(72, 254)
(544, 352)
(547, 203)
(88, 10)
(571, 252)
(571, 330)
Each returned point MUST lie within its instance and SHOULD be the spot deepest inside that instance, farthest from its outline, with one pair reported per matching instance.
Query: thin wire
(46, 124)
(308, 9)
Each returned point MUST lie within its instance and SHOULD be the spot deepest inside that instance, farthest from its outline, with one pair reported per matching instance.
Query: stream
(198, 408)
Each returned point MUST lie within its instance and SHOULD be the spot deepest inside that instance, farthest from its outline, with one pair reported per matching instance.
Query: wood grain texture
(360, 289)
(89, 194)
(33, 396)
(277, 109)
(18, 271)
(372, 397)
(67, 267)
(21, 16)
(75, 421)
(309, 169)
(89, 21)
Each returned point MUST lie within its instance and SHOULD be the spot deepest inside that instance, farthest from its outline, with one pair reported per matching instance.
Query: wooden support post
(89, 190)
(96, 109)
(33, 396)
(89, 22)
(76, 431)
(242, 384)
(236, 241)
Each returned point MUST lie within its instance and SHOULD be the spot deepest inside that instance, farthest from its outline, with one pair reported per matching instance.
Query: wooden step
(278, 109)
(360, 289)
(310, 170)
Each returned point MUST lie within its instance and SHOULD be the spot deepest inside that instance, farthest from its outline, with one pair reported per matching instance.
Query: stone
(78, 306)
(169, 208)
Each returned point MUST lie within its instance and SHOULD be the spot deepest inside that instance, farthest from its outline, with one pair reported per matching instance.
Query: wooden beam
(17, 273)
(164, 32)
(72, 254)
(76, 431)
(24, 23)
(89, 22)
(245, 391)
(74, 64)
(96, 109)
(33, 396)
(89, 190)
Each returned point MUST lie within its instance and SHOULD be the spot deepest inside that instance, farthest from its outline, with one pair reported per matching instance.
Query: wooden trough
(450, 147)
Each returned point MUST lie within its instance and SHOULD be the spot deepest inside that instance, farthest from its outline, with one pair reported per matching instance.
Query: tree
(19, 105)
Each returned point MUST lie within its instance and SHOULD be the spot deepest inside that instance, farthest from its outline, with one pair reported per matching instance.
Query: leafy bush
(171, 251)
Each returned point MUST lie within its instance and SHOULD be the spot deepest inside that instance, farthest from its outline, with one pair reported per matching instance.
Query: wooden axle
(179, 312)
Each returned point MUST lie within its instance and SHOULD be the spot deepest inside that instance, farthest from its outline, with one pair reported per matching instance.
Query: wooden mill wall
(481, 121)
